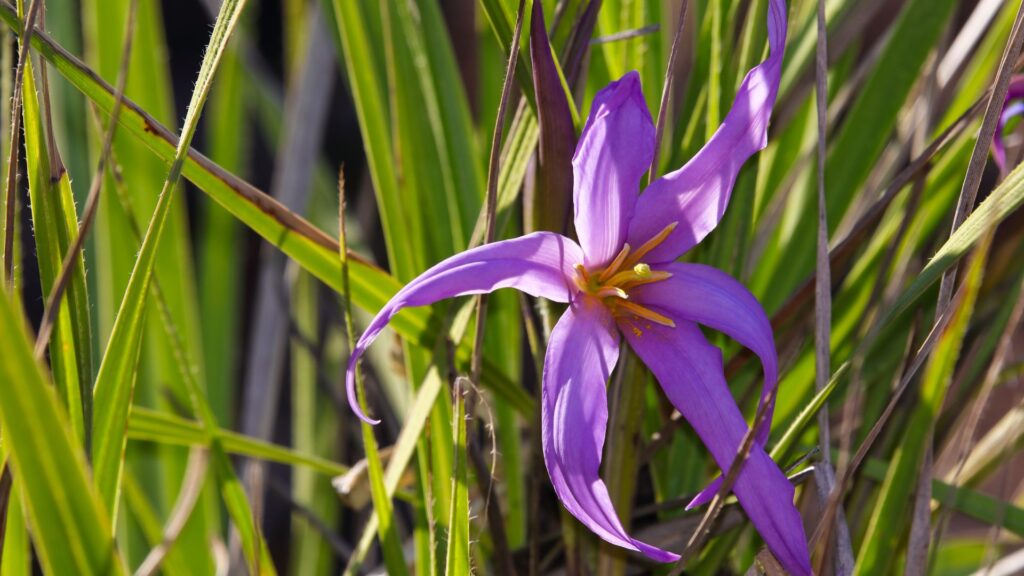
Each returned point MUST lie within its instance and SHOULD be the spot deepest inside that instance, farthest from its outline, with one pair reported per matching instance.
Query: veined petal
(690, 372)
(539, 264)
(708, 296)
(582, 351)
(697, 194)
(614, 151)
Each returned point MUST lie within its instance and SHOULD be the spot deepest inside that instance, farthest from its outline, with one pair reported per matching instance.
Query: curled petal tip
(350, 389)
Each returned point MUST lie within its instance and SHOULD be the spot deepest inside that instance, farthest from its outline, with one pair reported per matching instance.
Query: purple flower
(1012, 107)
(622, 281)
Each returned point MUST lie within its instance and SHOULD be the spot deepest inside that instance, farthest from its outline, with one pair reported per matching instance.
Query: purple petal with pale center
(696, 195)
(539, 264)
(708, 296)
(582, 351)
(614, 151)
(1012, 108)
(691, 374)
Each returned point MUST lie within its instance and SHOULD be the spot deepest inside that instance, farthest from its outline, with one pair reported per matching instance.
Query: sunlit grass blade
(370, 99)
(390, 126)
(152, 426)
(17, 560)
(128, 197)
(71, 529)
(1004, 200)
(115, 381)
(142, 512)
(386, 528)
(53, 211)
(972, 503)
(311, 248)
(888, 521)
(219, 234)
(856, 146)
(401, 455)
(450, 185)
(457, 557)
(313, 421)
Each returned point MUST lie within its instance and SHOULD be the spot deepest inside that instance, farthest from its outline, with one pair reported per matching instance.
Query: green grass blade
(129, 197)
(219, 268)
(503, 342)
(237, 503)
(51, 202)
(115, 381)
(150, 425)
(17, 559)
(370, 100)
(888, 521)
(1002, 202)
(457, 556)
(296, 237)
(856, 147)
(972, 503)
(312, 422)
(401, 455)
(71, 530)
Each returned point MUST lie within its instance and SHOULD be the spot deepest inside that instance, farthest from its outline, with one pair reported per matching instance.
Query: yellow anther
(650, 244)
(654, 276)
(642, 270)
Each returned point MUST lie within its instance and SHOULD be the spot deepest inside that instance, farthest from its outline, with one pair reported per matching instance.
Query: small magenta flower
(622, 281)
(1012, 107)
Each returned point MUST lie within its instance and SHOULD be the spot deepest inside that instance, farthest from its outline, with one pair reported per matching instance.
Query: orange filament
(615, 265)
(645, 313)
(650, 244)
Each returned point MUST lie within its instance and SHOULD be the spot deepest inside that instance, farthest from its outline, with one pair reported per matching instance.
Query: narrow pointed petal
(708, 296)
(697, 194)
(582, 351)
(615, 149)
(691, 374)
(539, 264)
(548, 205)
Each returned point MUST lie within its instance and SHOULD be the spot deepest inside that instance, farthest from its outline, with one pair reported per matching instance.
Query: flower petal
(540, 264)
(708, 296)
(614, 151)
(696, 195)
(582, 352)
(1012, 108)
(690, 372)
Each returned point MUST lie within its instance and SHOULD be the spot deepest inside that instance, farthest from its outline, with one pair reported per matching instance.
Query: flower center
(611, 284)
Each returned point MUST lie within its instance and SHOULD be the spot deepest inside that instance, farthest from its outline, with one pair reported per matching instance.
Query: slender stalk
(824, 476)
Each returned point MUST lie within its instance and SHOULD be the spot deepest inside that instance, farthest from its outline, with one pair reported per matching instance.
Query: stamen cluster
(612, 283)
